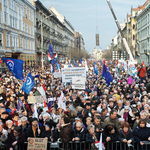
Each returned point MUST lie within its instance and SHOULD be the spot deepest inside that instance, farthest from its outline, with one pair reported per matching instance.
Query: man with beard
(35, 130)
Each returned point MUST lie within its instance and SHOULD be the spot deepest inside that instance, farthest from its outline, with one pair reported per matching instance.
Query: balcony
(17, 49)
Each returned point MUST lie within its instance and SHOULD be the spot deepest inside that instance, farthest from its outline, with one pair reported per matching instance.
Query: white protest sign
(78, 83)
(57, 74)
(36, 99)
(69, 73)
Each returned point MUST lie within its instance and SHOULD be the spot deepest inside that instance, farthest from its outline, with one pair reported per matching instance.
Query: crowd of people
(119, 111)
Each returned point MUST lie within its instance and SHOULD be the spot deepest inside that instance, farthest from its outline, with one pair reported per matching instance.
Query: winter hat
(66, 120)
(34, 119)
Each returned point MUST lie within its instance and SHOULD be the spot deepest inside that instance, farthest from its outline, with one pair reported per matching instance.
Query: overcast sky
(85, 15)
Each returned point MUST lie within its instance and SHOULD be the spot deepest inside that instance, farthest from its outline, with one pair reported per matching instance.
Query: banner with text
(36, 99)
(69, 73)
(37, 144)
(57, 74)
(78, 83)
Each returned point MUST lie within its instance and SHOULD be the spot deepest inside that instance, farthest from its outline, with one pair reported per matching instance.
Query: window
(10, 21)
(29, 15)
(13, 22)
(10, 3)
(17, 42)
(23, 12)
(1, 39)
(32, 17)
(32, 30)
(21, 42)
(30, 44)
(7, 40)
(26, 14)
(27, 44)
(23, 27)
(0, 17)
(16, 23)
(12, 43)
(27, 28)
(24, 43)
(19, 24)
(5, 2)
(5, 18)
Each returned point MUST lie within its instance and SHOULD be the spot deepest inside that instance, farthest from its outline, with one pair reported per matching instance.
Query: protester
(103, 107)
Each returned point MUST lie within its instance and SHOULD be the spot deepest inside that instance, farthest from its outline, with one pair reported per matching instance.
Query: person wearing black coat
(91, 137)
(34, 130)
(125, 136)
(142, 133)
(47, 133)
(79, 134)
(110, 134)
(16, 140)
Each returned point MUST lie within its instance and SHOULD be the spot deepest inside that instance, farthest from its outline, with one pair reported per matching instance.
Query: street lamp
(42, 36)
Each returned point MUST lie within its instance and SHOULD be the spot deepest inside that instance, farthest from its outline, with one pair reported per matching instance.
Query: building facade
(96, 53)
(55, 29)
(17, 30)
(143, 34)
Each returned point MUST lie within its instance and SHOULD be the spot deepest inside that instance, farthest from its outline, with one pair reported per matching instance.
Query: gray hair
(24, 118)
(138, 103)
(46, 115)
(90, 126)
(8, 121)
(119, 101)
(79, 123)
(143, 112)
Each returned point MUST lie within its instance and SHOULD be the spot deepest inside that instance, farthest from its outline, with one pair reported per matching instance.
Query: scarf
(34, 130)
(125, 116)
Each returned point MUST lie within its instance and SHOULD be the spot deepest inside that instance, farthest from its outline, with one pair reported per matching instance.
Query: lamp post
(42, 37)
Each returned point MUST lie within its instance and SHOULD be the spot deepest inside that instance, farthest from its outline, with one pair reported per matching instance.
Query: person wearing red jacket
(141, 73)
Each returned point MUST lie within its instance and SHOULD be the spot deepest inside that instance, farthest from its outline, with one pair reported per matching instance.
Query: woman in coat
(142, 133)
(91, 136)
(110, 134)
(15, 142)
(125, 135)
(65, 134)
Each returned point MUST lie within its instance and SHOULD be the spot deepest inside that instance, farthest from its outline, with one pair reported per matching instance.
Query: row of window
(21, 10)
(24, 43)
(30, 31)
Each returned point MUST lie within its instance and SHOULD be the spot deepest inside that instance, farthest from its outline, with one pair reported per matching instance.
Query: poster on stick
(36, 99)
(37, 144)
(69, 73)
(78, 83)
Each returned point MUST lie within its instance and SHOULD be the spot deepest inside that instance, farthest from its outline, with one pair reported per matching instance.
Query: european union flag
(80, 61)
(50, 52)
(74, 63)
(107, 75)
(20, 104)
(95, 68)
(15, 66)
(53, 64)
(29, 83)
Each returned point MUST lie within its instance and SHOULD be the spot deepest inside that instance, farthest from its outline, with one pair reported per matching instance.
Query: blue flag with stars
(95, 68)
(106, 74)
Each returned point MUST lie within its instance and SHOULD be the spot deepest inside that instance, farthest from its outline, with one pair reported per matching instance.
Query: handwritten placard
(36, 99)
(37, 144)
